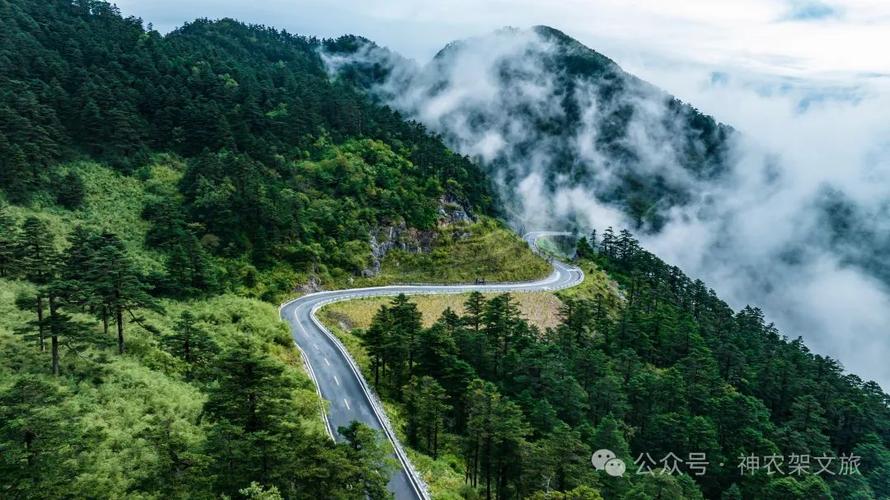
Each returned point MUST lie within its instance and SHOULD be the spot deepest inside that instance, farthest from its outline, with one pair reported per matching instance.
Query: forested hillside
(160, 195)
(152, 188)
(698, 400)
(244, 106)
(548, 117)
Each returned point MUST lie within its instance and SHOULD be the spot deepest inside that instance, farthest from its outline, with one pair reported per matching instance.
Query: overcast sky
(801, 38)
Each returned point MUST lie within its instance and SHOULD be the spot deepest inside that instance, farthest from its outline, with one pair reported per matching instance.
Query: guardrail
(414, 478)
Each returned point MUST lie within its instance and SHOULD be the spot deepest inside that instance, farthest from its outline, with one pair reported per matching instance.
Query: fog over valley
(786, 210)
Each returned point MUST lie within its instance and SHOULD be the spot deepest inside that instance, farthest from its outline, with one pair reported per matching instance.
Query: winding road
(338, 379)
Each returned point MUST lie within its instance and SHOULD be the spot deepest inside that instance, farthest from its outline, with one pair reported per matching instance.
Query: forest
(244, 106)
(161, 194)
(154, 192)
(665, 370)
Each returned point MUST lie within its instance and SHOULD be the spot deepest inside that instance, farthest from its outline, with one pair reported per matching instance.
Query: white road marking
(557, 280)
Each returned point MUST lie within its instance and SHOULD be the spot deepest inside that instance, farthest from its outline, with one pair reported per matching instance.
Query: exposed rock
(452, 212)
(311, 286)
(386, 238)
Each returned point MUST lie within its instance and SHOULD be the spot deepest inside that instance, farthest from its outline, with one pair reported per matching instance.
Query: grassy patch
(539, 308)
(463, 252)
(112, 202)
(443, 475)
(596, 283)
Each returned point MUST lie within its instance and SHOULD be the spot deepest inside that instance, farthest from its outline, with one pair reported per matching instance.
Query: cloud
(764, 234)
(767, 238)
(804, 81)
(743, 34)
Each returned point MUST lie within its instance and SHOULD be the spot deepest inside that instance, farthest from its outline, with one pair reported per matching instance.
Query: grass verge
(539, 308)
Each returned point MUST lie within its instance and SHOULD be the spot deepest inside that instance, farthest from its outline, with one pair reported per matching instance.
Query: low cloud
(765, 233)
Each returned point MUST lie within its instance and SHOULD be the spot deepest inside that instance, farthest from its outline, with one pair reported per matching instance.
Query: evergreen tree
(60, 326)
(503, 326)
(8, 240)
(117, 282)
(375, 340)
(402, 331)
(189, 342)
(254, 435)
(36, 258)
(583, 250)
(36, 436)
(426, 408)
(473, 309)
(70, 191)
(495, 437)
(367, 451)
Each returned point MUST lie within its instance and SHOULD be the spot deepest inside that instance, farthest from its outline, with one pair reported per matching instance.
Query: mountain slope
(159, 185)
(151, 189)
(549, 117)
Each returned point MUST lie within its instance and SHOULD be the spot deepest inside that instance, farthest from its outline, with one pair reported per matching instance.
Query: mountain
(83, 82)
(545, 114)
(161, 195)
(156, 194)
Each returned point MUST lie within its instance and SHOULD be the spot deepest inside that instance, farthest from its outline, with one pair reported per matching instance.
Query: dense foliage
(250, 108)
(130, 368)
(238, 167)
(205, 405)
(669, 368)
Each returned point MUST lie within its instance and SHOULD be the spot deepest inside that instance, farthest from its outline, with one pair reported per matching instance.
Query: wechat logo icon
(605, 460)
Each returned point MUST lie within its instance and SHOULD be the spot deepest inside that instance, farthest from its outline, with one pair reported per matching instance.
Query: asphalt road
(338, 378)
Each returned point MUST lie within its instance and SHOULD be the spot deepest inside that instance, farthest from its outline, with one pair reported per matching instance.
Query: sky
(806, 81)
(804, 38)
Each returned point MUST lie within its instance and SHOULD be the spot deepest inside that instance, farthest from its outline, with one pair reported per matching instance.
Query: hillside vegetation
(156, 194)
(278, 165)
(463, 253)
(660, 375)
(160, 194)
(550, 118)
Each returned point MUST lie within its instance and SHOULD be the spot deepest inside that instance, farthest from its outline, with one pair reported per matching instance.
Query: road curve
(337, 377)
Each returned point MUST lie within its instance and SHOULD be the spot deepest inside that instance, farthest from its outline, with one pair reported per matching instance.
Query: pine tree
(373, 467)
(9, 233)
(583, 250)
(426, 408)
(473, 308)
(375, 340)
(76, 264)
(189, 342)
(189, 271)
(70, 191)
(60, 326)
(37, 259)
(406, 324)
(502, 324)
(36, 432)
(495, 438)
(117, 283)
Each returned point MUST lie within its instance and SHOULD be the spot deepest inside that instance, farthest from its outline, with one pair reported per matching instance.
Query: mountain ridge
(544, 85)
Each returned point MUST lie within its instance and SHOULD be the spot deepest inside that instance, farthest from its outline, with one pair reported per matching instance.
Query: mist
(796, 224)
